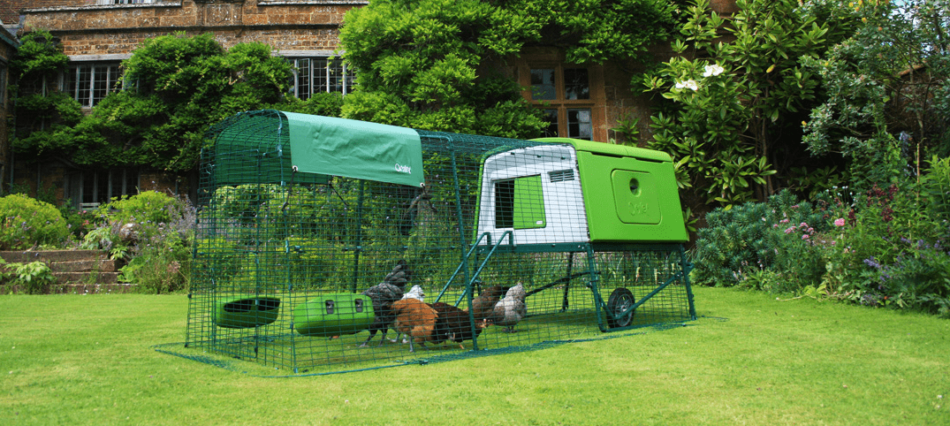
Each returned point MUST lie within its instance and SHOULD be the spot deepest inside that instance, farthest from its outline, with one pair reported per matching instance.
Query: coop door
(635, 197)
(519, 203)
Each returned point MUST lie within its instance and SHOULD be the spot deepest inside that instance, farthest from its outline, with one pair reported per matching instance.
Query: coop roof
(355, 149)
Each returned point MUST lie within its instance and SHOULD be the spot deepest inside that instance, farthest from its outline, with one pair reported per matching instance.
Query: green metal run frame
(305, 272)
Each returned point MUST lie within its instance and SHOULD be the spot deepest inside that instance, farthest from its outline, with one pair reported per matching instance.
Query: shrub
(146, 208)
(160, 266)
(34, 277)
(28, 222)
(778, 236)
(892, 247)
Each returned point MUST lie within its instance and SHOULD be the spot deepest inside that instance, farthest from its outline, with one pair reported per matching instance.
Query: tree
(733, 100)
(433, 64)
(41, 112)
(174, 87)
(891, 76)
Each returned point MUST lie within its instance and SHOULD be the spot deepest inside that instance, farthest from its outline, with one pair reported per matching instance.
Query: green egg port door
(311, 230)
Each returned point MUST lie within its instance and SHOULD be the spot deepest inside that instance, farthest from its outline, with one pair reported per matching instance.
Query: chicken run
(328, 245)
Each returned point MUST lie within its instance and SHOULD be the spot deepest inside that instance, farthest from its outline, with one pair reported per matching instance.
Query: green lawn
(750, 360)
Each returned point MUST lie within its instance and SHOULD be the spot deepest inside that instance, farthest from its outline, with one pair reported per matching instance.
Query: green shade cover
(355, 149)
(251, 148)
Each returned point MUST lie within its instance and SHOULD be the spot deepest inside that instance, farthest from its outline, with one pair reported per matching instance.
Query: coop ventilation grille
(561, 175)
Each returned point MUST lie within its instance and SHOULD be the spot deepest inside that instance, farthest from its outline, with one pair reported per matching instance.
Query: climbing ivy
(173, 88)
(439, 64)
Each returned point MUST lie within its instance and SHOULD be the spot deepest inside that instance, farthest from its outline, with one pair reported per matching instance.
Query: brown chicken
(484, 304)
(454, 324)
(416, 319)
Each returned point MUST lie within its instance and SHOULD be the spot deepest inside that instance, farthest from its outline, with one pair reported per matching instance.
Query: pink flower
(790, 230)
(834, 243)
(805, 236)
(803, 225)
(839, 222)
(783, 221)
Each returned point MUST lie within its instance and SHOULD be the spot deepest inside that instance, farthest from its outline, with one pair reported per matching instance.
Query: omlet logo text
(403, 169)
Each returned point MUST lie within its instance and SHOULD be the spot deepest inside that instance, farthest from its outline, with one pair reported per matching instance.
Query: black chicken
(383, 295)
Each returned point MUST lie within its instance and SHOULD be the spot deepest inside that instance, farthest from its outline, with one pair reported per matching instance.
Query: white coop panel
(534, 192)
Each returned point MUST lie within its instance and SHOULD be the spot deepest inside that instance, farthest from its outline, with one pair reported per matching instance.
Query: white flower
(713, 70)
(688, 84)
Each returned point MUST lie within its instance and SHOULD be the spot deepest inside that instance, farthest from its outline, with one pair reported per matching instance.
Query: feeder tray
(246, 312)
(334, 314)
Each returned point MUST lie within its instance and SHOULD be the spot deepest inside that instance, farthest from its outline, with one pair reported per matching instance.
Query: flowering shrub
(885, 246)
(752, 237)
(891, 249)
(27, 222)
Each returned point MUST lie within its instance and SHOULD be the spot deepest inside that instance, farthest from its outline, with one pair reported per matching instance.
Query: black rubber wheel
(619, 300)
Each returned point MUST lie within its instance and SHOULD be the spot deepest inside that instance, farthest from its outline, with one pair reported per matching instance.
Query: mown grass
(750, 360)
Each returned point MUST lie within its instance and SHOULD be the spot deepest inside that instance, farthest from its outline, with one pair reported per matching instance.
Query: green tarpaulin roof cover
(355, 149)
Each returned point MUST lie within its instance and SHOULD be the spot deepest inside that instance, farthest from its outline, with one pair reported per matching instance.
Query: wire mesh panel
(315, 273)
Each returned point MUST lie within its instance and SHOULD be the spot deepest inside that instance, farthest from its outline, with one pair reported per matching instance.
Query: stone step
(86, 277)
(95, 288)
(89, 265)
(79, 288)
(51, 255)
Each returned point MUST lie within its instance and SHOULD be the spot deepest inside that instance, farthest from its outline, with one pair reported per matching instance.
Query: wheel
(618, 301)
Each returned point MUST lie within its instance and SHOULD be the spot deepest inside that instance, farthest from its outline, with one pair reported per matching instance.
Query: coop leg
(567, 287)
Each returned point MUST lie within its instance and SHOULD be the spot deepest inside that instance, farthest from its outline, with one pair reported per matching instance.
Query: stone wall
(89, 29)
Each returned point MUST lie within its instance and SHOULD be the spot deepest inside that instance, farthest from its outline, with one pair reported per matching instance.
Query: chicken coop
(327, 245)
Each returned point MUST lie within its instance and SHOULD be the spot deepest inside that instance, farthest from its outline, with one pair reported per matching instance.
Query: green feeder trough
(246, 312)
(334, 314)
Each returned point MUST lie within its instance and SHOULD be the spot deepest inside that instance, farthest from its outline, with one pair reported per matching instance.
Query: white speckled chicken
(510, 310)
(417, 293)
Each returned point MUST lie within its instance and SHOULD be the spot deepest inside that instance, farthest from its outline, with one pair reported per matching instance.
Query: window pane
(349, 81)
(319, 75)
(83, 86)
(578, 124)
(88, 187)
(116, 179)
(551, 118)
(102, 187)
(100, 86)
(70, 82)
(542, 85)
(303, 79)
(131, 182)
(576, 85)
(335, 71)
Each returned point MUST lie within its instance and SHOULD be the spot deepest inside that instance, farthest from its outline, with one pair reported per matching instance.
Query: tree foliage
(173, 88)
(438, 64)
(890, 76)
(732, 100)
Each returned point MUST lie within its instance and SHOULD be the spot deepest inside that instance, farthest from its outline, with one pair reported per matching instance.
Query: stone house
(585, 102)
(8, 46)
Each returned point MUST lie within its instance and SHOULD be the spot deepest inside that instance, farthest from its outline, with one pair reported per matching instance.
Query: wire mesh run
(318, 274)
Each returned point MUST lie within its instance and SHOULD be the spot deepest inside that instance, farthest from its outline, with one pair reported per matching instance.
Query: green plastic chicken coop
(312, 230)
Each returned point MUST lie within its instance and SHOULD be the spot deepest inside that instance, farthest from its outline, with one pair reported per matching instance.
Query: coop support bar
(359, 237)
(458, 212)
(462, 264)
(484, 263)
